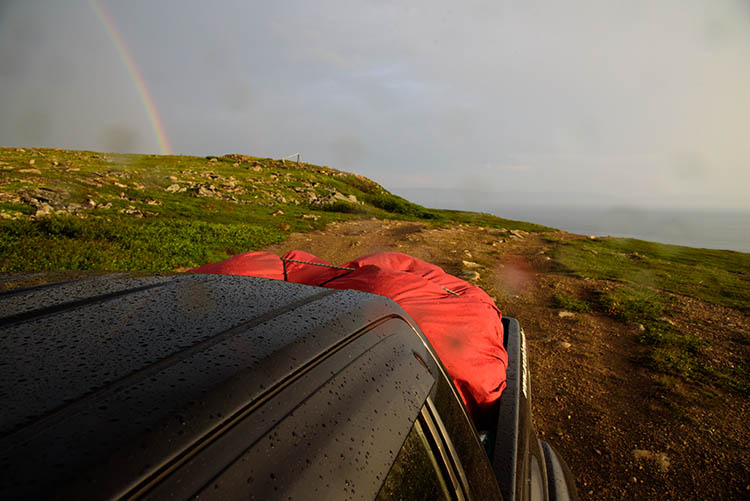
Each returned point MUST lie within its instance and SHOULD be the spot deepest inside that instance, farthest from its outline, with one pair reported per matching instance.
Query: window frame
(450, 461)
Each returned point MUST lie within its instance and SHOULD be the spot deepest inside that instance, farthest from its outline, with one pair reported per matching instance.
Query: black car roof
(110, 383)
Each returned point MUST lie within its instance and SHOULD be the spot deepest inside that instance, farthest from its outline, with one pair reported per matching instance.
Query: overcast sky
(645, 103)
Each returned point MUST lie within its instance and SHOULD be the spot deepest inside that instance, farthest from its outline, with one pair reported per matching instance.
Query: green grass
(736, 376)
(253, 202)
(671, 351)
(344, 207)
(719, 277)
(397, 205)
(630, 304)
(570, 303)
(650, 276)
(69, 243)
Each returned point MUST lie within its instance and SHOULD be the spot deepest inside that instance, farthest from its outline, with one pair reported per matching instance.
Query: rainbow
(135, 76)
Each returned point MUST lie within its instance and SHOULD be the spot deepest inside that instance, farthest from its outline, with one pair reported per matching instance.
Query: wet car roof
(115, 382)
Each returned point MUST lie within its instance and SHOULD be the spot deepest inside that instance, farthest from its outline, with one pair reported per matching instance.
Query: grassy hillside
(636, 346)
(85, 210)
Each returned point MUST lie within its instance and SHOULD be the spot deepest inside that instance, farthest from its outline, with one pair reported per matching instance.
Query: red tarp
(464, 328)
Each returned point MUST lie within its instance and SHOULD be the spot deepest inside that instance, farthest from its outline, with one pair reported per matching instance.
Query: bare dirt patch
(626, 430)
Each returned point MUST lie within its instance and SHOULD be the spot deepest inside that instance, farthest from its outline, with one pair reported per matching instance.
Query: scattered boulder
(30, 171)
(470, 264)
(132, 211)
(566, 314)
(659, 459)
(239, 157)
(667, 320)
(91, 182)
(173, 188)
(333, 196)
(43, 209)
(469, 275)
(37, 196)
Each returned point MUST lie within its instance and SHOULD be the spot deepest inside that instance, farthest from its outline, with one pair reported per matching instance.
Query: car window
(415, 474)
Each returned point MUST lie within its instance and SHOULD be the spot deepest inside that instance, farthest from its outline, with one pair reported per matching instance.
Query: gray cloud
(636, 102)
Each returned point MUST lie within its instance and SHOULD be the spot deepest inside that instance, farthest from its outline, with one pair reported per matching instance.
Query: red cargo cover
(459, 319)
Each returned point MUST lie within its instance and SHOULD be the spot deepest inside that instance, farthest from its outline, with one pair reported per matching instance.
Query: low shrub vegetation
(570, 303)
(632, 304)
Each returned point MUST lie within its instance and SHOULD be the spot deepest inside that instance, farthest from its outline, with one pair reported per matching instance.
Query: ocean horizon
(726, 229)
(709, 229)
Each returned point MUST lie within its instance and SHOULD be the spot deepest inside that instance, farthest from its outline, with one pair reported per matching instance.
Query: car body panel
(91, 393)
(225, 387)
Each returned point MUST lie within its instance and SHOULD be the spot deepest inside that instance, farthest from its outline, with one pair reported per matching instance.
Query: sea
(709, 229)
(702, 228)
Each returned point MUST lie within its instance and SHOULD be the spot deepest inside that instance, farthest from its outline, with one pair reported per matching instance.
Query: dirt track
(602, 409)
